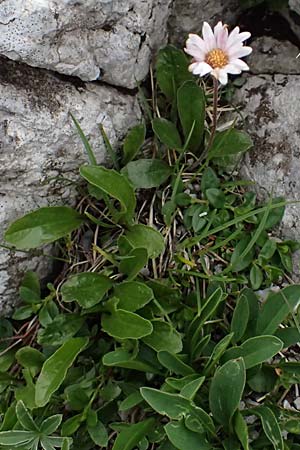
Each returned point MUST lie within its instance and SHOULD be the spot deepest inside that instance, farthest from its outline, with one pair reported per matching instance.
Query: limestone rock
(39, 147)
(272, 56)
(188, 16)
(110, 40)
(272, 119)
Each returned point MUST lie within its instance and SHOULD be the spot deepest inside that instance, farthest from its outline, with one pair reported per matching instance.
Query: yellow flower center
(216, 58)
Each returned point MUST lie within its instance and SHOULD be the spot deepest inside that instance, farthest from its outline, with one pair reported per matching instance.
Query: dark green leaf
(190, 389)
(238, 262)
(209, 179)
(147, 173)
(132, 400)
(256, 277)
(133, 295)
(255, 350)
(98, 434)
(240, 318)
(43, 226)
(122, 358)
(264, 379)
(167, 133)
(276, 308)
(241, 430)
(171, 70)
(133, 142)
(230, 142)
(191, 109)
(51, 424)
(270, 426)
(115, 185)
(87, 288)
(55, 368)
(215, 197)
(174, 364)
(163, 337)
(14, 438)
(126, 325)
(142, 236)
(25, 418)
(130, 436)
(134, 262)
(224, 402)
(184, 439)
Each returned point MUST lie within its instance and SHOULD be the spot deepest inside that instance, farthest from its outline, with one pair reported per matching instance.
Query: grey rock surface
(111, 40)
(272, 119)
(272, 56)
(39, 145)
(188, 16)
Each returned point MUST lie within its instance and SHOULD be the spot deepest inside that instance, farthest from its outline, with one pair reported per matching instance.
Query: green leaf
(130, 436)
(190, 389)
(134, 262)
(132, 400)
(163, 337)
(71, 425)
(86, 288)
(216, 197)
(255, 350)
(115, 185)
(289, 336)
(241, 430)
(240, 318)
(16, 437)
(238, 262)
(171, 70)
(179, 383)
(209, 179)
(230, 142)
(85, 141)
(174, 364)
(276, 308)
(270, 426)
(217, 352)
(142, 236)
(177, 407)
(224, 402)
(62, 328)
(256, 277)
(30, 358)
(122, 358)
(173, 406)
(25, 418)
(184, 439)
(30, 290)
(133, 295)
(167, 133)
(133, 142)
(147, 173)
(55, 369)
(98, 434)
(51, 424)
(126, 325)
(264, 379)
(191, 109)
(43, 226)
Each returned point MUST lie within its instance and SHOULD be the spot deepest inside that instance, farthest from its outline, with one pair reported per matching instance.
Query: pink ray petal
(221, 35)
(239, 52)
(239, 63)
(202, 68)
(208, 36)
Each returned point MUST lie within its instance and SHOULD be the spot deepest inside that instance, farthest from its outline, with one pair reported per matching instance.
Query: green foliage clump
(166, 328)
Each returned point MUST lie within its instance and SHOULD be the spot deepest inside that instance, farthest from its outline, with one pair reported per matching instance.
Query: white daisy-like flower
(218, 52)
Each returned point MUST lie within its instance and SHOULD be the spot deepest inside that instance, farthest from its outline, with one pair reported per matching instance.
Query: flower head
(218, 52)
